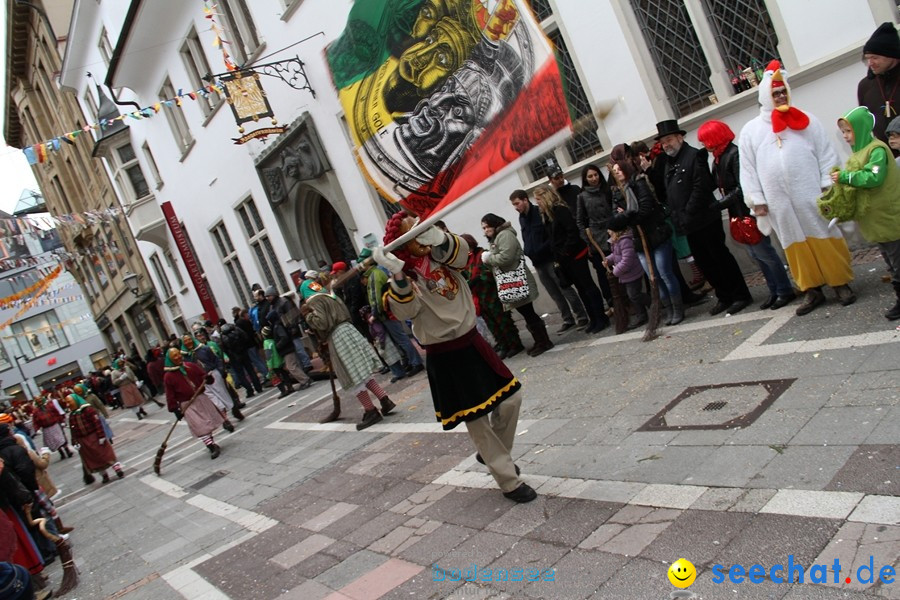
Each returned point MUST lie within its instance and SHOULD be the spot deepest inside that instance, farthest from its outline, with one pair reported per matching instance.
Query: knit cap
(893, 126)
(884, 42)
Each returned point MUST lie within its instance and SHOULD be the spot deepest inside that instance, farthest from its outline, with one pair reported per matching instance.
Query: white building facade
(661, 59)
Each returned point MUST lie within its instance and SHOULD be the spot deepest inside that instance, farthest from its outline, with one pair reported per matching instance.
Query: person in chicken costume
(786, 163)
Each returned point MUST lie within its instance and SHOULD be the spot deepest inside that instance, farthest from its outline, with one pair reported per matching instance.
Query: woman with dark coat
(570, 254)
(718, 138)
(505, 255)
(594, 212)
(487, 303)
(639, 208)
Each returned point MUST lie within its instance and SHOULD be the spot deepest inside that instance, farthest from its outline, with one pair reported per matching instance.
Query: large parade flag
(444, 96)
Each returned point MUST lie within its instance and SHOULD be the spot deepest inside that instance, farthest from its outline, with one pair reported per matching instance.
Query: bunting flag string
(219, 41)
(44, 284)
(11, 300)
(38, 153)
(51, 326)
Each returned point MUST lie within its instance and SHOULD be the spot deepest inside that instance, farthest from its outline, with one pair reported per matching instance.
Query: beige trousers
(493, 436)
(292, 365)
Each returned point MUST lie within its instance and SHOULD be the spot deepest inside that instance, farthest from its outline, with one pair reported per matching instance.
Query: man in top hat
(689, 191)
(879, 90)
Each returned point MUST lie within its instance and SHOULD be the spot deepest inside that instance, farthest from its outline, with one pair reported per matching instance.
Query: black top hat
(668, 127)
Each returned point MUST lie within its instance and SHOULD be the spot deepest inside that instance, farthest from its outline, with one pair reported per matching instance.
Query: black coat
(235, 341)
(569, 192)
(727, 175)
(868, 93)
(17, 459)
(535, 238)
(650, 214)
(284, 341)
(594, 212)
(689, 190)
(564, 238)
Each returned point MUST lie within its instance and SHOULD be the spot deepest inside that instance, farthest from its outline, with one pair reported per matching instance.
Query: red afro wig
(715, 135)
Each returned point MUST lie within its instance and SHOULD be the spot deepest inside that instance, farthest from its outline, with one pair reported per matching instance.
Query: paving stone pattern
(337, 514)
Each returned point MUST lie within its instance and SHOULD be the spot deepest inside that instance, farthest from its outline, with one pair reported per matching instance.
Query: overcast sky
(15, 174)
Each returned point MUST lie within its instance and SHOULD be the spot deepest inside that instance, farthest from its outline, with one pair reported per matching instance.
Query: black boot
(62, 454)
(370, 417)
(227, 426)
(236, 413)
(286, 390)
(894, 313)
(542, 341)
(387, 405)
(214, 451)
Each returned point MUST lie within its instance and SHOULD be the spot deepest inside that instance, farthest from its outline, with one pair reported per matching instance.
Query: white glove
(485, 256)
(432, 237)
(101, 441)
(387, 260)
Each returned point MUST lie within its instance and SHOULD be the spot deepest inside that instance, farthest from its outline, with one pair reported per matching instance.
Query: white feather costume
(787, 171)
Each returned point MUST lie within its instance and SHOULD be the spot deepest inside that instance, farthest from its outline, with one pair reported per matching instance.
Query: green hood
(862, 122)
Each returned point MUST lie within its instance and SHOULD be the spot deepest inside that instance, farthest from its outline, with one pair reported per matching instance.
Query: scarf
(792, 118)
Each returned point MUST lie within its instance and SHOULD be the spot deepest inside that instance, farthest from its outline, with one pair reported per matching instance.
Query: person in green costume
(871, 182)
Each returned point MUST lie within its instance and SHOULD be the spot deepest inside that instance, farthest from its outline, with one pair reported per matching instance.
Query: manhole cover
(719, 406)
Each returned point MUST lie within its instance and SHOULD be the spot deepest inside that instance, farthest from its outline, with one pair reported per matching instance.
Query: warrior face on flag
(464, 71)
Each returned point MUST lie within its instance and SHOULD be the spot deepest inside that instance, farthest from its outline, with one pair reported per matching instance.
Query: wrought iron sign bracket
(291, 71)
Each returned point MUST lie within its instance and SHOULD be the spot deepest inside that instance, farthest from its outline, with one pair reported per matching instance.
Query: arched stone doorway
(335, 236)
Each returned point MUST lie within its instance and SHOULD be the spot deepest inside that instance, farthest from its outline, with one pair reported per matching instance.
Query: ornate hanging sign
(248, 101)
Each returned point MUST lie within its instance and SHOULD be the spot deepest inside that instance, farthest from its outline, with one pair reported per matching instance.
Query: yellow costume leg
(816, 261)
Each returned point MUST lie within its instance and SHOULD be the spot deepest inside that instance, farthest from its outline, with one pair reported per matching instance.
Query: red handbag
(745, 231)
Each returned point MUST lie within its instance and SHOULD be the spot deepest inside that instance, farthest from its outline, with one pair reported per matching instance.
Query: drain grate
(718, 406)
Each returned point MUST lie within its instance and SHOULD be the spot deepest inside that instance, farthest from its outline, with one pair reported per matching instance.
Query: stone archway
(334, 234)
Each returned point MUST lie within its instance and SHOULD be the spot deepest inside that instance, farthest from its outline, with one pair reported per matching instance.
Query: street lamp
(25, 386)
(131, 281)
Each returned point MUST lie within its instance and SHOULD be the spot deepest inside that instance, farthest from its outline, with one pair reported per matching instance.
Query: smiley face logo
(682, 573)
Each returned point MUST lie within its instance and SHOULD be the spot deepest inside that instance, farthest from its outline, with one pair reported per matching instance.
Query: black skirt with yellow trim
(467, 379)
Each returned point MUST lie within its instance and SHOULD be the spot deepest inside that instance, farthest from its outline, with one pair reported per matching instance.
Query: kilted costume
(202, 354)
(469, 383)
(95, 450)
(124, 378)
(181, 380)
(352, 358)
(49, 418)
(82, 390)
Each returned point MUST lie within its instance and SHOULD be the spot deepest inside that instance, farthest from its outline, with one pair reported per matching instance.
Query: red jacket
(180, 388)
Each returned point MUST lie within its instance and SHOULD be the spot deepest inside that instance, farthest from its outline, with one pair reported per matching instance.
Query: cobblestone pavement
(759, 438)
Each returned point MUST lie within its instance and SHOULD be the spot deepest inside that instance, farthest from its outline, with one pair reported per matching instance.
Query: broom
(70, 573)
(157, 462)
(653, 321)
(335, 414)
(620, 305)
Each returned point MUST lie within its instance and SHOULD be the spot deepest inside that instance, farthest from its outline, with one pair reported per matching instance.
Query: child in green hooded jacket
(871, 182)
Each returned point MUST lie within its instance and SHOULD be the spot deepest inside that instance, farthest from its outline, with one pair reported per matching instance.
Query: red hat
(338, 266)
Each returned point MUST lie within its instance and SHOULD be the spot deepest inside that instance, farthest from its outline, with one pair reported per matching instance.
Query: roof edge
(121, 42)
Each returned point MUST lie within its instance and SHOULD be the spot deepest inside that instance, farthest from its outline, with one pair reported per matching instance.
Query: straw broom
(620, 306)
(157, 462)
(653, 322)
(70, 572)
